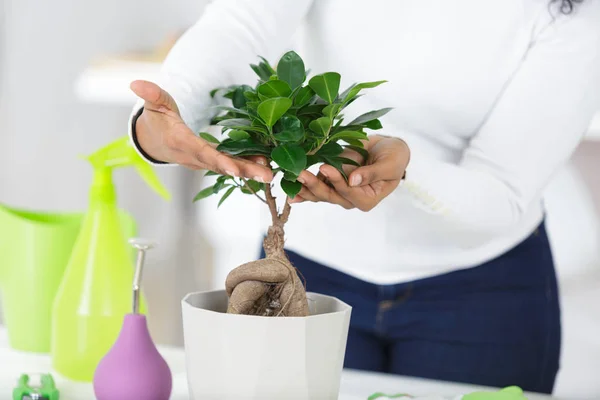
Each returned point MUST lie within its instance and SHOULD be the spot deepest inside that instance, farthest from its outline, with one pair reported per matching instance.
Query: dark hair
(566, 6)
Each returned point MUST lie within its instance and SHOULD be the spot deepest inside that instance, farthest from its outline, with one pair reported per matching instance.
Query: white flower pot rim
(310, 295)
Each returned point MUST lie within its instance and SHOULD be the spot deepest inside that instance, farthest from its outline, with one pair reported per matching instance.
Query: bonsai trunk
(269, 286)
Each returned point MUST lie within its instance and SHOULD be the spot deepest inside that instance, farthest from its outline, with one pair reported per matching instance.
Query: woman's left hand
(368, 184)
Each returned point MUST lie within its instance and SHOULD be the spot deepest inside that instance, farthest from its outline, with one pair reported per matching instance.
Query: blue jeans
(497, 324)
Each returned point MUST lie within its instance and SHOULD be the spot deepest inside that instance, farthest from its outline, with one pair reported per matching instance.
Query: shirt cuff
(137, 112)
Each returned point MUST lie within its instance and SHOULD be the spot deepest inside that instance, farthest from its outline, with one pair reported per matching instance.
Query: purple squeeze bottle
(133, 368)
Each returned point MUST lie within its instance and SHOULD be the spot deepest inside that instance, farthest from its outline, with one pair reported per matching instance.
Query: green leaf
(241, 124)
(290, 69)
(252, 105)
(305, 120)
(354, 90)
(257, 129)
(204, 193)
(330, 149)
(303, 97)
(252, 187)
(374, 124)
(343, 135)
(231, 110)
(371, 115)
(364, 153)
(267, 65)
(290, 157)
(209, 138)
(321, 126)
(211, 173)
(313, 109)
(312, 160)
(326, 85)
(290, 129)
(355, 142)
(345, 92)
(251, 95)
(349, 161)
(291, 188)
(332, 110)
(234, 122)
(243, 147)
(219, 185)
(262, 71)
(226, 195)
(290, 176)
(275, 88)
(229, 92)
(337, 163)
(272, 109)
(238, 99)
(238, 135)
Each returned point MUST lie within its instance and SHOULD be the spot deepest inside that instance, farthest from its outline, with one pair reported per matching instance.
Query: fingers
(307, 195)
(387, 162)
(353, 155)
(260, 160)
(196, 153)
(156, 98)
(363, 198)
(255, 171)
(336, 179)
(381, 171)
(319, 191)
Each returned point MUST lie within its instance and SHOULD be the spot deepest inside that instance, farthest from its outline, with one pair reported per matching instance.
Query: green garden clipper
(36, 387)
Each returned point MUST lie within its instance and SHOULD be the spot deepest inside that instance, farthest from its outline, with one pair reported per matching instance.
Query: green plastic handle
(47, 391)
(120, 153)
(379, 395)
(509, 393)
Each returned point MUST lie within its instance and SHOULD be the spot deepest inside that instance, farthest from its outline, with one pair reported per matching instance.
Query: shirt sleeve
(219, 48)
(532, 130)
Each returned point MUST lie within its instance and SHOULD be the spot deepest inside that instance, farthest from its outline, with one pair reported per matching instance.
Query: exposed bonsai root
(266, 287)
(270, 286)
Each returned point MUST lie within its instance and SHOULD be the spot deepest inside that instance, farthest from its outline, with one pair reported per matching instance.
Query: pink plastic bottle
(133, 368)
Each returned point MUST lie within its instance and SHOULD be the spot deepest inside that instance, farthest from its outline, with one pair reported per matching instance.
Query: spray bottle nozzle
(142, 245)
(120, 153)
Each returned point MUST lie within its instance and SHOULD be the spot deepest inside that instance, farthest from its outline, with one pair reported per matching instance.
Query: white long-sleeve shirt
(492, 98)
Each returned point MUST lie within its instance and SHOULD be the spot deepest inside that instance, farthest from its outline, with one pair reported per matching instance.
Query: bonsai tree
(294, 126)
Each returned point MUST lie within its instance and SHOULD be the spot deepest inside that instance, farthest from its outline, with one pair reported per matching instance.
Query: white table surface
(109, 83)
(355, 385)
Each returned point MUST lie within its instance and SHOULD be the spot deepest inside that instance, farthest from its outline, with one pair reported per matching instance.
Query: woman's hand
(368, 185)
(164, 136)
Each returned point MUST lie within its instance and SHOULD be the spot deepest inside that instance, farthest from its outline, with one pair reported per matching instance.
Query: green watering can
(35, 247)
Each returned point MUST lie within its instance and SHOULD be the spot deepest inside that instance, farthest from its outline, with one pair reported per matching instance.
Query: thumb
(366, 175)
(382, 170)
(156, 98)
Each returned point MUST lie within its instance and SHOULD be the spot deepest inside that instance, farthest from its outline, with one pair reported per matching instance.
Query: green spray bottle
(95, 292)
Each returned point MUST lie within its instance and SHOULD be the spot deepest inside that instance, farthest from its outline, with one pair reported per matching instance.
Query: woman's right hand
(163, 135)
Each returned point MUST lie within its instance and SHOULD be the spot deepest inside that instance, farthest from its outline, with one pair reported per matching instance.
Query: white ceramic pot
(238, 357)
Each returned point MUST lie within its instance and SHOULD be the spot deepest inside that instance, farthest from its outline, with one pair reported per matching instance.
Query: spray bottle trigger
(149, 176)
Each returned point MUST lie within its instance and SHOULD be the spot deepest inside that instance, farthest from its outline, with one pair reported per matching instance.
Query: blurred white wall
(573, 202)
